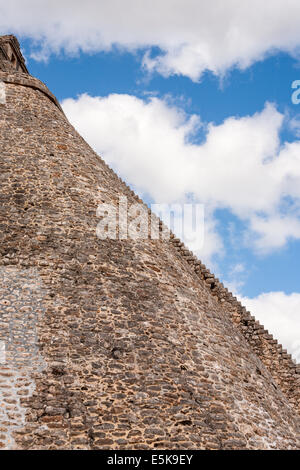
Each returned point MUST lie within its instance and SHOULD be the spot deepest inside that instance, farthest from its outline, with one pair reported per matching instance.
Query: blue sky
(213, 93)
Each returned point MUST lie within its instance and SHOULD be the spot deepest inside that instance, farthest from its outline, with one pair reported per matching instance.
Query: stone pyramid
(111, 343)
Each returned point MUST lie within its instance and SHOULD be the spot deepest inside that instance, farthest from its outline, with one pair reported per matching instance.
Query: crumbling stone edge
(18, 78)
(214, 284)
(288, 377)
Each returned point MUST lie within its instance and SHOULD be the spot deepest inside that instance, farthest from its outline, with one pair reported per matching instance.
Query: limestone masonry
(111, 344)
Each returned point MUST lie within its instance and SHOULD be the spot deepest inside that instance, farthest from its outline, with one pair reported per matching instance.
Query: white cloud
(146, 143)
(280, 314)
(294, 125)
(236, 278)
(238, 268)
(274, 232)
(193, 35)
(240, 166)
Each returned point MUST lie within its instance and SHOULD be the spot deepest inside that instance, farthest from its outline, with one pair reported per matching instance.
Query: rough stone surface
(116, 344)
(11, 58)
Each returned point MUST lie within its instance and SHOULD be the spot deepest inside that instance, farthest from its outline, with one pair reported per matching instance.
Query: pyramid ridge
(116, 344)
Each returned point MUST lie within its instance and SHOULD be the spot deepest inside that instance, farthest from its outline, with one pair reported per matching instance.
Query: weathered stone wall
(21, 304)
(283, 368)
(28, 81)
(134, 350)
(11, 58)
